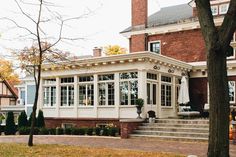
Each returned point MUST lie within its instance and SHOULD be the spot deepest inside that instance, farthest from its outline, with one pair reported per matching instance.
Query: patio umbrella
(183, 92)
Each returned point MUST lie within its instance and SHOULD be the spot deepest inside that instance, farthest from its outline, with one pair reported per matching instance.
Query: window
(151, 76)
(214, 10)
(86, 90)
(49, 81)
(12, 101)
(166, 90)
(86, 94)
(223, 8)
(49, 98)
(67, 95)
(67, 80)
(128, 88)
(155, 47)
(233, 55)
(106, 88)
(231, 91)
(151, 93)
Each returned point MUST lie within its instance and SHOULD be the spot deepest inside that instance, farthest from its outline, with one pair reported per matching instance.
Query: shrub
(97, 131)
(40, 119)
(10, 128)
(59, 131)
(43, 131)
(90, 131)
(113, 131)
(52, 131)
(74, 131)
(24, 130)
(105, 132)
(30, 119)
(81, 131)
(67, 131)
(22, 120)
(36, 131)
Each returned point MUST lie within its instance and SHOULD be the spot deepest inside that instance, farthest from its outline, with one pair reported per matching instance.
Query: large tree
(217, 41)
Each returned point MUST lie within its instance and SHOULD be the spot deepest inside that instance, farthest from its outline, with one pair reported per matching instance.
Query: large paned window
(231, 91)
(166, 90)
(67, 91)
(128, 88)
(155, 47)
(106, 88)
(86, 91)
(49, 92)
(151, 89)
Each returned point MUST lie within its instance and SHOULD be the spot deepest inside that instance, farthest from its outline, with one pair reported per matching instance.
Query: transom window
(151, 76)
(166, 91)
(129, 75)
(214, 10)
(155, 47)
(67, 80)
(86, 78)
(49, 81)
(106, 77)
(223, 8)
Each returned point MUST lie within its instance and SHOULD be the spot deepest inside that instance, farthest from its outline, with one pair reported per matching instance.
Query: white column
(76, 95)
(40, 98)
(96, 94)
(173, 98)
(58, 96)
(117, 94)
(142, 89)
(159, 98)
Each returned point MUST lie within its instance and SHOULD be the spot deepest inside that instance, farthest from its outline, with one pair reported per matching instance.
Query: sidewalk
(152, 145)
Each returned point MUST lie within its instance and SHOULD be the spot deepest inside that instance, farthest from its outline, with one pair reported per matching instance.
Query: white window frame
(129, 87)
(151, 42)
(171, 86)
(67, 95)
(86, 84)
(106, 92)
(217, 10)
(221, 6)
(232, 102)
(49, 96)
(232, 57)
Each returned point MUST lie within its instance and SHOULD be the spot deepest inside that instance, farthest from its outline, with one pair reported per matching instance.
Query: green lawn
(21, 150)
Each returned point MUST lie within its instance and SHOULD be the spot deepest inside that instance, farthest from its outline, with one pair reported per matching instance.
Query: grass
(21, 150)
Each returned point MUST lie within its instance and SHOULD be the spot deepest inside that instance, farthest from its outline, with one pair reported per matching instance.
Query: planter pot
(139, 111)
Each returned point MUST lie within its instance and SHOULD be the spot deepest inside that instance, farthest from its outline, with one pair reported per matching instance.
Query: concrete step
(197, 139)
(182, 121)
(174, 129)
(174, 134)
(176, 125)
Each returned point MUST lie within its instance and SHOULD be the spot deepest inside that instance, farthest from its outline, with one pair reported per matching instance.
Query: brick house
(96, 90)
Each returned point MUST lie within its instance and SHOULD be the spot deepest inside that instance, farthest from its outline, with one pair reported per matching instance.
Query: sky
(101, 22)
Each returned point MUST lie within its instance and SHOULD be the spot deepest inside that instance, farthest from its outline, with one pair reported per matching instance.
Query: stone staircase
(174, 129)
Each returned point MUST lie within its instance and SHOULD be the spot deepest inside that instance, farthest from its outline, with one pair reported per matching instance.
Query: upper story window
(214, 10)
(223, 8)
(67, 80)
(155, 46)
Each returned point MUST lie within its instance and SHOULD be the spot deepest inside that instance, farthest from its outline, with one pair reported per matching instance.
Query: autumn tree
(217, 41)
(7, 72)
(41, 50)
(114, 50)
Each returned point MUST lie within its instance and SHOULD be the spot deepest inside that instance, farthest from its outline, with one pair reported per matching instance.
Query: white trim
(232, 57)
(221, 6)
(215, 8)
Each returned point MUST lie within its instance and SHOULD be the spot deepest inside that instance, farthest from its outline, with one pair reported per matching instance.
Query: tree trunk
(219, 104)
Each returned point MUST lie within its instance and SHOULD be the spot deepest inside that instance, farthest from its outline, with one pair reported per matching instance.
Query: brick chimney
(139, 22)
(97, 52)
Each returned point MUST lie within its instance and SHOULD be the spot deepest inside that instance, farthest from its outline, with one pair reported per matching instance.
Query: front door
(152, 96)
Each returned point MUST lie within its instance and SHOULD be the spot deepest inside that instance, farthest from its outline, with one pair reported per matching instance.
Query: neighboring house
(99, 90)
(8, 101)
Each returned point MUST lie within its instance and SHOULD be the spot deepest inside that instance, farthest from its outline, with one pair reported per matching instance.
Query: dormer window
(214, 10)
(155, 46)
(223, 8)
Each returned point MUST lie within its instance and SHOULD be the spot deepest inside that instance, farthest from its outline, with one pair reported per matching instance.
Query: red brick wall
(138, 43)
(139, 12)
(127, 128)
(186, 46)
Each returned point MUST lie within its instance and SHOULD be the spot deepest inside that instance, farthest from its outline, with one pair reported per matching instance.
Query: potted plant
(139, 106)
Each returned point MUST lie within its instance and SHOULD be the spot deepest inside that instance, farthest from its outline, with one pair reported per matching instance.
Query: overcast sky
(100, 28)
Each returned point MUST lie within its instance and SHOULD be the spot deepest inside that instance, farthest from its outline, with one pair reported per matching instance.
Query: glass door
(151, 93)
